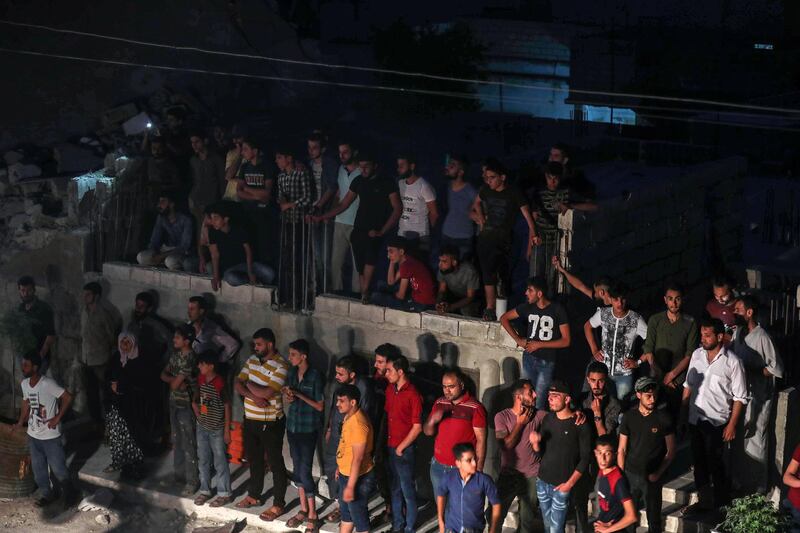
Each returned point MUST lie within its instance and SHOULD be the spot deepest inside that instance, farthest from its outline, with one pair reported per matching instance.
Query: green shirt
(670, 342)
(300, 416)
(186, 365)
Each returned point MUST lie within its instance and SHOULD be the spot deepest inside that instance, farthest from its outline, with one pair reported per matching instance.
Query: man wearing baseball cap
(566, 450)
(646, 448)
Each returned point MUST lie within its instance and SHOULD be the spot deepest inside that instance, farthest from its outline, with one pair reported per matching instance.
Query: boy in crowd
(458, 229)
(419, 204)
(617, 509)
(547, 334)
(212, 407)
(495, 210)
(458, 284)
(646, 448)
(619, 328)
(408, 279)
(461, 498)
(180, 374)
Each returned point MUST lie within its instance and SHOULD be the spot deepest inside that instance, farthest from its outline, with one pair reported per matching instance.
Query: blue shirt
(348, 216)
(457, 224)
(465, 501)
(178, 235)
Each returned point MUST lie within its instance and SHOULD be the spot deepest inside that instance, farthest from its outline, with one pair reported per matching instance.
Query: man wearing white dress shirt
(714, 397)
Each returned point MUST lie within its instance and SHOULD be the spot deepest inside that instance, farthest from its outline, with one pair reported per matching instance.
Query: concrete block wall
(635, 238)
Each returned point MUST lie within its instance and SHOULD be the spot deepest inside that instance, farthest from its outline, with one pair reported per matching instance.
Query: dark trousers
(709, 468)
(579, 496)
(260, 437)
(96, 396)
(647, 495)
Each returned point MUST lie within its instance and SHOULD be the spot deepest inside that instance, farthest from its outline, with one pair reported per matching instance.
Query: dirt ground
(124, 515)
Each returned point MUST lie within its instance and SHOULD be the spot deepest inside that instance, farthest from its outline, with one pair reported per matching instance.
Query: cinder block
(497, 335)
(178, 281)
(403, 318)
(117, 271)
(242, 294)
(369, 313)
(263, 295)
(145, 276)
(440, 324)
(473, 329)
(200, 284)
(333, 305)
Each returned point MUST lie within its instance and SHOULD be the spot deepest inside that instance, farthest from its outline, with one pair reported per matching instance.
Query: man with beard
(714, 399)
(163, 173)
(379, 210)
(458, 229)
(721, 305)
(40, 318)
(343, 223)
(419, 204)
(44, 403)
(345, 374)
(646, 448)
(671, 338)
(456, 417)
(208, 172)
(519, 465)
(383, 354)
(324, 169)
(459, 284)
(754, 346)
(172, 237)
(254, 188)
(547, 335)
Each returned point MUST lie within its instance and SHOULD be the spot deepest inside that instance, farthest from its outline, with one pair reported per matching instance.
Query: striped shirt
(271, 373)
(211, 398)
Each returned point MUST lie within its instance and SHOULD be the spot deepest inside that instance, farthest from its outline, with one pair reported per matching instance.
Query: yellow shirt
(271, 373)
(356, 429)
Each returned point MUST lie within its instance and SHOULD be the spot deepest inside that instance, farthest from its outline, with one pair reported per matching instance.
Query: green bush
(754, 513)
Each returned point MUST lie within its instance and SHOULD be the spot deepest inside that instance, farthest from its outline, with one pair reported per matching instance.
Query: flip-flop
(314, 525)
(202, 499)
(272, 513)
(221, 501)
(245, 504)
(334, 516)
(296, 520)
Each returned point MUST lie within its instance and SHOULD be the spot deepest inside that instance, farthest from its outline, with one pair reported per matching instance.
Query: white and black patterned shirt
(295, 186)
(617, 337)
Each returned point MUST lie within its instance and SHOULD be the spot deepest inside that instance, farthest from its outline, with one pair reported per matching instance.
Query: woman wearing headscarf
(134, 406)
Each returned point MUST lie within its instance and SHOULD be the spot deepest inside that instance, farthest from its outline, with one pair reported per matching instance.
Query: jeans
(260, 437)
(554, 505)
(404, 490)
(511, 484)
(384, 296)
(438, 471)
(174, 261)
(624, 385)
(647, 495)
(322, 238)
(211, 448)
(302, 447)
(184, 453)
(237, 274)
(356, 511)
(709, 467)
(46, 456)
(540, 372)
(341, 247)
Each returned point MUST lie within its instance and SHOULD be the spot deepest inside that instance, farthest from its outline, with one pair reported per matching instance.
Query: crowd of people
(711, 379)
(328, 219)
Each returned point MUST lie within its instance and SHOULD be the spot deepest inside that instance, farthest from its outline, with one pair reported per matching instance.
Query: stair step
(675, 523)
(680, 490)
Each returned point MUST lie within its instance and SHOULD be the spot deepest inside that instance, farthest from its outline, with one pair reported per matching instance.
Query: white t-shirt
(415, 198)
(43, 402)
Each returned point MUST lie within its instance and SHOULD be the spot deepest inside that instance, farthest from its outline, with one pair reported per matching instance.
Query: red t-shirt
(722, 312)
(403, 410)
(457, 426)
(794, 494)
(423, 290)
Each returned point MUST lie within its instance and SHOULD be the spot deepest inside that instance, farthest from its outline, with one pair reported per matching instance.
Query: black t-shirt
(565, 448)
(41, 321)
(501, 209)
(374, 206)
(258, 176)
(543, 325)
(230, 245)
(612, 492)
(646, 444)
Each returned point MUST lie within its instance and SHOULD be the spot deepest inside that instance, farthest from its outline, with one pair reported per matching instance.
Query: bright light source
(764, 46)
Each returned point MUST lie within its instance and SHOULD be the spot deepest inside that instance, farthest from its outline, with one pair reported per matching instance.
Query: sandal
(202, 499)
(247, 502)
(297, 519)
(314, 525)
(272, 513)
(220, 501)
(334, 516)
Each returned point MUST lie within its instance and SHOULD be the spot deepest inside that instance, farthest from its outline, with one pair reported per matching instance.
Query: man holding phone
(459, 418)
